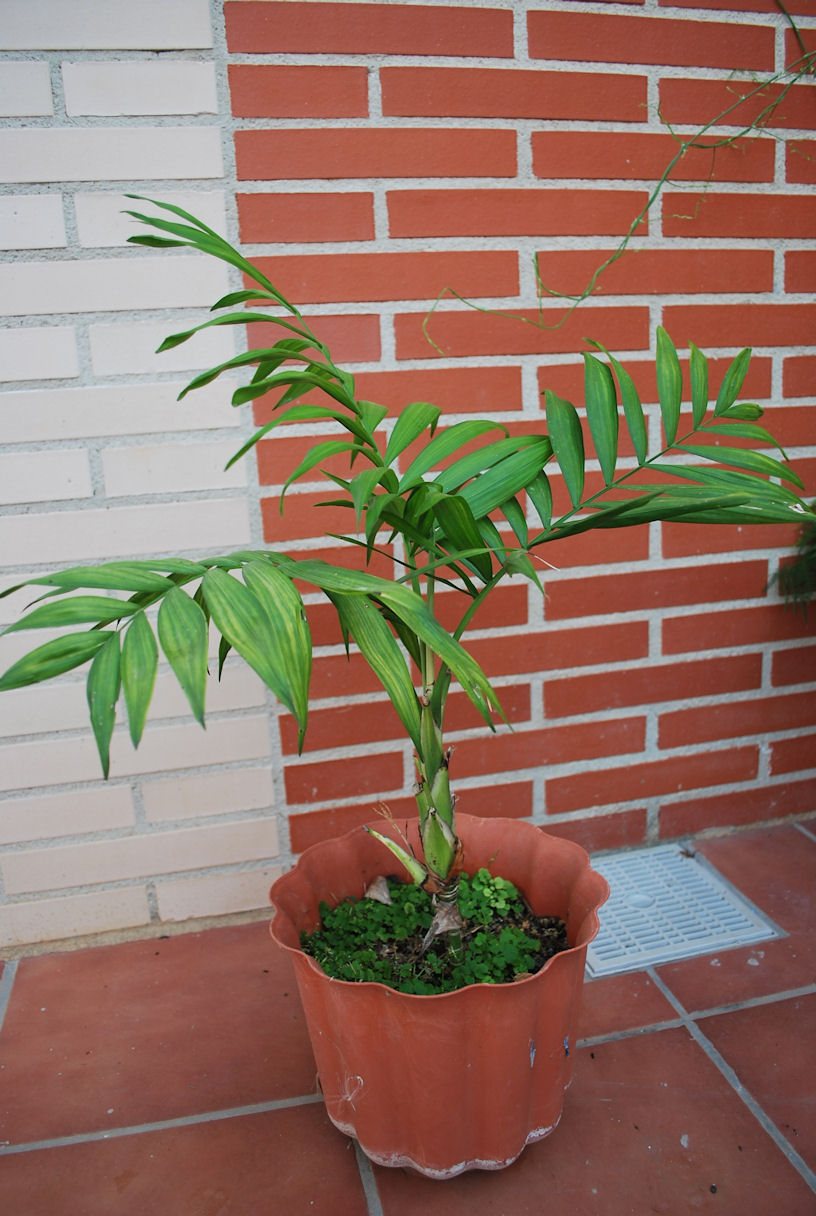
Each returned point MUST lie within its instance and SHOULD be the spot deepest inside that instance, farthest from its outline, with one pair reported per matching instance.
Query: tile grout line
(159, 1125)
(731, 1076)
(6, 984)
(370, 1191)
(632, 1032)
(674, 1023)
(806, 831)
(752, 1002)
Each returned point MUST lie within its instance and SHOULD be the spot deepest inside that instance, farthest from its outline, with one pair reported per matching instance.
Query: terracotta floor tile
(772, 1049)
(281, 1163)
(776, 870)
(621, 1002)
(650, 1126)
(147, 1030)
(732, 976)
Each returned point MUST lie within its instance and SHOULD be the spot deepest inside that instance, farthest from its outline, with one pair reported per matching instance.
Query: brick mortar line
(651, 75)
(597, 243)
(105, 122)
(96, 502)
(520, 729)
(144, 830)
(387, 309)
(146, 827)
(546, 819)
(56, 56)
(217, 869)
(92, 444)
(364, 185)
(506, 680)
(520, 124)
(220, 58)
(520, 58)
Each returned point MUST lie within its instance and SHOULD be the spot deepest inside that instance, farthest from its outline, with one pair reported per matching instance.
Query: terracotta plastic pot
(466, 1079)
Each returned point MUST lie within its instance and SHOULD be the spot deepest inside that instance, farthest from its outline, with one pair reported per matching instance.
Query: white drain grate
(665, 905)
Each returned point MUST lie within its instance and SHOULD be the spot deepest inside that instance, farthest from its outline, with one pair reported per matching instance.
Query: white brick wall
(241, 891)
(25, 89)
(46, 919)
(66, 759)
(145, 468)
(207, 794)
(120, 87)
(32, 221)
(113, 285)
(39, 818)
(31, 415)
(99, 460)
(130, 347)
(44, 476)
(140, 530)
(77, 154)
(138, 856)
(153, 25)
(39, 353)
(102, 222)
(48, 708)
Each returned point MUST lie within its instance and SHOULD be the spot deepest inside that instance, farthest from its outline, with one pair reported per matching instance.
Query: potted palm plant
(457, 509)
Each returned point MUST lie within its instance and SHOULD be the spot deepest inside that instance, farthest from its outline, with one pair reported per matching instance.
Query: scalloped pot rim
(590, 924)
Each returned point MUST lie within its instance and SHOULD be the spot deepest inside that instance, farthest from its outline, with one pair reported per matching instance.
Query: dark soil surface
(548, 932)
(495, 938)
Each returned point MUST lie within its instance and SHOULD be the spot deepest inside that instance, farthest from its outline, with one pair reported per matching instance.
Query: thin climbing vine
(788, 78)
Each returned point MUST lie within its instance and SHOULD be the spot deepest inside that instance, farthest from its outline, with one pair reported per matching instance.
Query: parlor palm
(459, 508)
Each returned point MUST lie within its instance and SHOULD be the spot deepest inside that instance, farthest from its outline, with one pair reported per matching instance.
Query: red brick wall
(384, 152)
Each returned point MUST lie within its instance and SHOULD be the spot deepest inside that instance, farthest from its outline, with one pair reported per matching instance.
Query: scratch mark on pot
(352, 1088)
(532, 1052)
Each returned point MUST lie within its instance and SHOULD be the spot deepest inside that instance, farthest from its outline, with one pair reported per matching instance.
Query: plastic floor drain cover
(665, 905)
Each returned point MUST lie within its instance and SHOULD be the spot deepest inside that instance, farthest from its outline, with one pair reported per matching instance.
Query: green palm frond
(458, 507)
